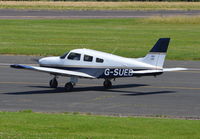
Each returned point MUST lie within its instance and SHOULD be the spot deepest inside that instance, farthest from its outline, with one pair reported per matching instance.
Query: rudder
(157, 54)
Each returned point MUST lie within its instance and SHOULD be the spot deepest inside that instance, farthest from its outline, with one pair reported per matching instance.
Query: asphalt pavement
(175, 94)
(90, 14)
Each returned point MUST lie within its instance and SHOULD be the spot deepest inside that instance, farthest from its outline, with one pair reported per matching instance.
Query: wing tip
(15, 66)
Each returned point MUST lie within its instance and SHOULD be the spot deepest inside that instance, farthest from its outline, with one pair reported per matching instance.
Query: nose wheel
(107, 84)
(53, 83)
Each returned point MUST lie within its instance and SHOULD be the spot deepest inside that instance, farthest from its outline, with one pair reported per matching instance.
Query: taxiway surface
(171, 94)
(68, 14)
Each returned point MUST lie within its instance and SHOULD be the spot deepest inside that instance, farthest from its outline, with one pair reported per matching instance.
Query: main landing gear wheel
(107, 84)
(53, 83)
(68, 87)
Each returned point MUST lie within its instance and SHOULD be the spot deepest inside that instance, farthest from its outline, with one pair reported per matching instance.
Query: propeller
(35, 59)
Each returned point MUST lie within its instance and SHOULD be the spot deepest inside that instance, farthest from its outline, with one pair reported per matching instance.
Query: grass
(101, 5)
(126, 37)
(24, 125)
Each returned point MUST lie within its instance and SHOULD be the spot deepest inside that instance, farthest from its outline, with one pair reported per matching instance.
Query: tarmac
(174, 94)
(90, 14)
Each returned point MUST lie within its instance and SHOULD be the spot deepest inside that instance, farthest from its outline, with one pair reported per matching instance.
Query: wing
(53, 71)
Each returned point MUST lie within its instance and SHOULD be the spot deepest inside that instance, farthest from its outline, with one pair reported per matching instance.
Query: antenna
(114, 50)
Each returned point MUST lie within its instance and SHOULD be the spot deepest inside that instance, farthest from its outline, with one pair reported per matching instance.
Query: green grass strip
(126, 37)
(25, 125)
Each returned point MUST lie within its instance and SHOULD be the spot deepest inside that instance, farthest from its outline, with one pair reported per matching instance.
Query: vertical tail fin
(157, 54)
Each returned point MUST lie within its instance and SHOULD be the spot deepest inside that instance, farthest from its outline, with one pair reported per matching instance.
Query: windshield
(74, 56)
(63, 56)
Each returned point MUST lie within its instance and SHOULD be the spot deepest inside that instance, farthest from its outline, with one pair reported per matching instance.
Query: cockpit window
(99, 60)
(74, 56)
(88, 58)
(63, 56)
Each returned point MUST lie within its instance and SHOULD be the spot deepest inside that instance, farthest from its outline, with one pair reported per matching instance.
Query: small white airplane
(87, 63)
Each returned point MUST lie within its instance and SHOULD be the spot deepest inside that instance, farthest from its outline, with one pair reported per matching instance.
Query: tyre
(53, 83)
(68, 87)
(107, 84)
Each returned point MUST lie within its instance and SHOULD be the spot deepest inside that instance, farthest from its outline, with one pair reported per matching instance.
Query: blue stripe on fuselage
(104, 72)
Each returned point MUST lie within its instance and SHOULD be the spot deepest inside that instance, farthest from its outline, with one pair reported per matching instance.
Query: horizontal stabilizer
(147, 71)
(53, 71)
(174, 69)
(159, 71)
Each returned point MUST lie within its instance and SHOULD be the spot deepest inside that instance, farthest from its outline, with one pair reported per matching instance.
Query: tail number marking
(118, 72)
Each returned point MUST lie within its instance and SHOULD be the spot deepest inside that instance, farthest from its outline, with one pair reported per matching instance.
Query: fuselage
(96, 63)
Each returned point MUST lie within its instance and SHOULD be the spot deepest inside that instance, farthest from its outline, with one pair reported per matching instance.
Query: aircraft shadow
(148, 93)
(76, 89)
(115, 88)
(49, 91)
